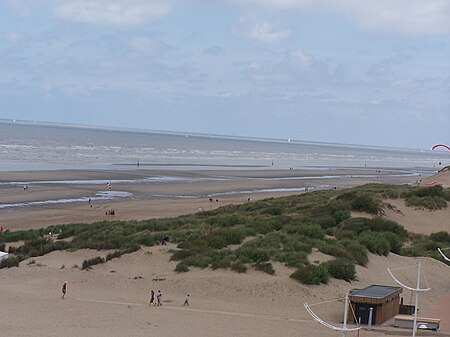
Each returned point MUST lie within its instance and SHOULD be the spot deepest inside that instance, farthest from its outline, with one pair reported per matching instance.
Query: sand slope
(112, 299)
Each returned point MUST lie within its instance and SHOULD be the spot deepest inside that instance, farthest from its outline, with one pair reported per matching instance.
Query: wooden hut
(384, 300)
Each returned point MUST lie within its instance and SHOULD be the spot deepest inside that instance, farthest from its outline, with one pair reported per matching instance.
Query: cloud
(266, 32)
(405, 17)
(299, 59)
(111, 12)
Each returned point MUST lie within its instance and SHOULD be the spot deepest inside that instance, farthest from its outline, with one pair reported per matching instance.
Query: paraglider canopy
(440, 145)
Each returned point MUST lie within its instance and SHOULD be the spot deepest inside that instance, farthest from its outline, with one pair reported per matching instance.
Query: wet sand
(160, 193)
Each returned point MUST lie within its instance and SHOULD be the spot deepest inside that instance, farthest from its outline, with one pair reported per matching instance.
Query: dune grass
(274, 229)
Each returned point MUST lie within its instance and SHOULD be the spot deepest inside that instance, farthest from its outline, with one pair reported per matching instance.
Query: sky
(373, 72)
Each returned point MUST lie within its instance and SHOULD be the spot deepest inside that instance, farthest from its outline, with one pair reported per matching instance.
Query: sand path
(440, 309)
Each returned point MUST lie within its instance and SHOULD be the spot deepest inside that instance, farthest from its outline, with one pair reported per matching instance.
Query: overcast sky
(371, 72)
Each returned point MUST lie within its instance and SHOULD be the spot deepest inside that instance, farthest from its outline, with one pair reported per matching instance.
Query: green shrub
(341, 215)
(342, 269)
(9, 262)
(311, 274)
(87, 264)
(432, 198)
(297, 243)
(239, 267)
(252, 255)
(8, 236)
(376, 224)
(180, 255)
(375, 242)
(331, 231)
(312, 232)
(292, 258)
(394, 241)
(226, 236)
(361, 201)
(199, 261)
(181, 267)
(265, 267)
(113, 255)
(357, 251)
(326, 221)
(223, 263)
(442, 236)
(334, 248)
(273, 210)
(119, 253)
(227, 220)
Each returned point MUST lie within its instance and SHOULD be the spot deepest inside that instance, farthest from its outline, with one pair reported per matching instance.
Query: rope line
(216, 312)
(328, 301)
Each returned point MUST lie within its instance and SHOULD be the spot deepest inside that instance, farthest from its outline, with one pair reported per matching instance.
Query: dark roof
(375, 291)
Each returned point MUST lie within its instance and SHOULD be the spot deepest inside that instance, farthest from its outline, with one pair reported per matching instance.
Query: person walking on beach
(159, 298)
(186, 301)
(152, 298)
(64, 289)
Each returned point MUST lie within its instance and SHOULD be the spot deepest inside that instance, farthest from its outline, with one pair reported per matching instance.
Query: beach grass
(254, 234)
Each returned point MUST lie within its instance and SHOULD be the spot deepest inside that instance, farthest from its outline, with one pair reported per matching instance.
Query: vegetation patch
(277, 229)
(342, 269)
(431, 198)
(9, 262)
(312, 274)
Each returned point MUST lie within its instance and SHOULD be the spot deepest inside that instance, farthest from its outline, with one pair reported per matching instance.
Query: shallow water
(34, 146)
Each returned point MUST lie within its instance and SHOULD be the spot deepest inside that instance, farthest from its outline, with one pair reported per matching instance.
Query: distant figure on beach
(64, 289)
(109, 185)
(152, 298)
(186, 300)
(25, 188)
(1, 229)
(200, 209)
(210, 199)
(159, 298)
(165, 239)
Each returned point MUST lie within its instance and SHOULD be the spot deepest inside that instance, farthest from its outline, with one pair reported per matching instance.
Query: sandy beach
(112, 299)
(167, 194)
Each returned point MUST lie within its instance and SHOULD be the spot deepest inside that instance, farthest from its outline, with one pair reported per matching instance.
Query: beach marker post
(416, 291)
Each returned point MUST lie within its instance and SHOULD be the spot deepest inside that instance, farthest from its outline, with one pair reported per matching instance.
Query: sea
(27, 145)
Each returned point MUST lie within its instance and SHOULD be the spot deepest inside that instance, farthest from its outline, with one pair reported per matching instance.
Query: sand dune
(112, 299)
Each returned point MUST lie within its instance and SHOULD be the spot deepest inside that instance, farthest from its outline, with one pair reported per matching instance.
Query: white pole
(345, 315)
(417, 302)
(369, 323)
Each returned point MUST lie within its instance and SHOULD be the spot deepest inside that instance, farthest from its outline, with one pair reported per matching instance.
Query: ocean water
(37, 146)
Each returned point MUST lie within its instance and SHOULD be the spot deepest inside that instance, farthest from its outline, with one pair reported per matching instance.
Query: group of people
(157, 303)
(110, 212)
